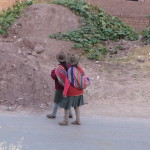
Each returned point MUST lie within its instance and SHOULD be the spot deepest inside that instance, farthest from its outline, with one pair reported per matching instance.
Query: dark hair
(64, 64)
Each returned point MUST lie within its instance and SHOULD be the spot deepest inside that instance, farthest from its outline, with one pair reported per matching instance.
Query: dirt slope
(28, 56)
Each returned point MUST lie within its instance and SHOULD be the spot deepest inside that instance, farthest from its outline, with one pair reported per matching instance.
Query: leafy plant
(97, 26)
(118, 47)
(148, 17)
(8, 17)
(146, 36)
(96, 54)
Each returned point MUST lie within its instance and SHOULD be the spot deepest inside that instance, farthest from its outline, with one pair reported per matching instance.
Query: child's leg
(77, 112)
(55, 108)
(54, 111)
(70, 113)
(66, 114)
(65, 122)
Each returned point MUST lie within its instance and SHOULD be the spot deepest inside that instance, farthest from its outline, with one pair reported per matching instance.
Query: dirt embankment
(28, 56)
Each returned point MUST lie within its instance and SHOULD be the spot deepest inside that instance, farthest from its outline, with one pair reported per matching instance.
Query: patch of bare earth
(118, 87)
(134, 13)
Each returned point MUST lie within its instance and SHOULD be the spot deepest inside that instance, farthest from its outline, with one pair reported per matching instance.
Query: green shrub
(8, 17)
(97, 26)
(146, 36)
(96, 54)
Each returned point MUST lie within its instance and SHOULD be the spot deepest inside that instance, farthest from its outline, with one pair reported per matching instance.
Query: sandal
(63, 123)
(70, 116)
(76, 123)
(51, 116)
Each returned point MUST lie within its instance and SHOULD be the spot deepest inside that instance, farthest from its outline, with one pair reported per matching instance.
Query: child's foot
(70, 116)
(63, 123)
(76, 123)
(51, 116)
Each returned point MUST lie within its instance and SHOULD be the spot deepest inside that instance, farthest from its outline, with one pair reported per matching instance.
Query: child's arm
(53, 75)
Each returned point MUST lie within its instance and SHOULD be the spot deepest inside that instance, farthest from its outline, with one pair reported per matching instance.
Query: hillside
(119, 84)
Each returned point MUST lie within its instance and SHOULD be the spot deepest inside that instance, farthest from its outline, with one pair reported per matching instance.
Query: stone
(48, 104)
(141, 59)
(123, 42)
(39, 48)
(29, 43)
(13, 108)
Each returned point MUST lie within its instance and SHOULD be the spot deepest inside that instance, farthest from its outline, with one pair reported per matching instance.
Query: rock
(43, 106)
(123, 42)
(141, 59)
(20, 101)
(136, 46)
(9, 108)
(113, 51)
(19, 25)
(48, 104)
(5, 35)
(19, 51)
(15, 32)
(29, 52)
(13, 108)
(29, 43)
(39, 48)
(34, 54)
(32, 58)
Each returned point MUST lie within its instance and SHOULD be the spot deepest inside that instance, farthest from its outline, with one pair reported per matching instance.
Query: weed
(148, 17)
(118, 47)
(8, 17)
(146, 36)
(4, 146)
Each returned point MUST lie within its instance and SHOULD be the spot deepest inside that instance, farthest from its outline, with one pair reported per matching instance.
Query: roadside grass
(138, 57)
(142, 53)
(5, 146)
(9, 16)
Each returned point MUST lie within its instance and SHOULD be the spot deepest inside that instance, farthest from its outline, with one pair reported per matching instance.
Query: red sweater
(70, 90)
(54, 77)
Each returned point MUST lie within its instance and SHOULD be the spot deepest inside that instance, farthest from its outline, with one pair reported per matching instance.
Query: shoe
(70, 116)
(51, 116)
(63, 123)
(76, 123)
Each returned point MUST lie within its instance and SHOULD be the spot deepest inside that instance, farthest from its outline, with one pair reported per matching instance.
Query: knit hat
(74, 59)
(61, 57)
